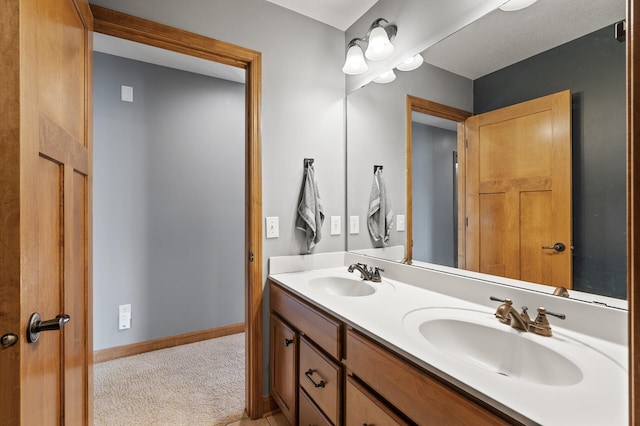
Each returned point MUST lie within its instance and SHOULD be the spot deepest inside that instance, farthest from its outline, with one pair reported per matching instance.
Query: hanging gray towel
(310, 210)
(380, 215)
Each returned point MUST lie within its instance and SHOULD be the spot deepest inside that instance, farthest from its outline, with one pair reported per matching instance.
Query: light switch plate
(273, 228)
(400, 223)
(354, 225)
(126, 93)
(336, 225)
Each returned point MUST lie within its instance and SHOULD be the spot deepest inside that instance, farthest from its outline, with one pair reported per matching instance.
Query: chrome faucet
(371, 274)
(507, 314)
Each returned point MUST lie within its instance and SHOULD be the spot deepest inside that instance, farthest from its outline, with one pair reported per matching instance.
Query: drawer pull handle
(308, 374)
(287, 342)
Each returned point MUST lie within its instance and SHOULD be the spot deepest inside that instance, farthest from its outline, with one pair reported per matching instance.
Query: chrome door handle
(36, 325)
(559, 247)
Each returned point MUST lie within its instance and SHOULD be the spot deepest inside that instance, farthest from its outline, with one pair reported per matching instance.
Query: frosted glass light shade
(355, 63)
(412, 63)
(514, 5)
(386, 77)
(379, 47)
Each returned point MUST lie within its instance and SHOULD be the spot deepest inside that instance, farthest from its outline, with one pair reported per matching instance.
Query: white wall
(433, 194)
(168, 201)
(376, 134)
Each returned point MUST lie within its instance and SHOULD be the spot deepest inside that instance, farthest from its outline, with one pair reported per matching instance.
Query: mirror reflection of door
(518, 199)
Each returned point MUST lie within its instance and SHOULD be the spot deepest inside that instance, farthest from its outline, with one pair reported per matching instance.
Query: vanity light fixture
(379, 47)
(385, 77)
(514, 5)
(411, 64)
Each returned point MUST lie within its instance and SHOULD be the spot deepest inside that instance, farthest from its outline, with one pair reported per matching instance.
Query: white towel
(310, 210)
(380, 215)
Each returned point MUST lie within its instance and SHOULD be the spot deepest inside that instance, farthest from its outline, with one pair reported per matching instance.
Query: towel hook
(376, 168)
(308, 162)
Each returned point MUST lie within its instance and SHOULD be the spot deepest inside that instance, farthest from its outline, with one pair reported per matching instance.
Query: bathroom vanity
(344, 351)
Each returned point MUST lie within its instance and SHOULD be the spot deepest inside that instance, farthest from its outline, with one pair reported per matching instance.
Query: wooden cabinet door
(518, 191)
(363, 408)
(45, 191)
(284, 343)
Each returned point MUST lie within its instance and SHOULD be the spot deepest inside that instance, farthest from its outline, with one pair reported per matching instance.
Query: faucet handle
(541, 324)
(375, 275)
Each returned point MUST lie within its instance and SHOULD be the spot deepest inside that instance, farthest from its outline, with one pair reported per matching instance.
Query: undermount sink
(342, 286)
(476, 338)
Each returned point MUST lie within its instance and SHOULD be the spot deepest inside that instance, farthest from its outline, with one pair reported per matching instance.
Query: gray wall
(302, 104)
(376, 134)
(433, 194)
(593, 68)
(168, 201)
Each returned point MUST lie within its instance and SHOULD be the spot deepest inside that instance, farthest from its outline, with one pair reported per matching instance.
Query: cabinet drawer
(309, 413)
(320, 377)
(322, 329)
(362, 408)
(413, 392)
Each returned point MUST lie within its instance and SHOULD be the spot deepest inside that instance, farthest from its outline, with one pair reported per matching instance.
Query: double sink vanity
(424, 346)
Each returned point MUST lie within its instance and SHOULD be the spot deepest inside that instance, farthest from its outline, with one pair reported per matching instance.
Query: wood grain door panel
(47, 170)
(518, 183)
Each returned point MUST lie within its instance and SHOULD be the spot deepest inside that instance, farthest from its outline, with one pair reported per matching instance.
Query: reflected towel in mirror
(310, 210)
(380, 215)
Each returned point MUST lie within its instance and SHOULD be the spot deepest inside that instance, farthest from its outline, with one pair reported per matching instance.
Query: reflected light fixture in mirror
(379, 47)
(386, 77)
(513, 5)
(411, 64)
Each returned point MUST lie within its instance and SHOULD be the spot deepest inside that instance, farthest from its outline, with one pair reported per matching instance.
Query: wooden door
(519, 191)
(45, 186)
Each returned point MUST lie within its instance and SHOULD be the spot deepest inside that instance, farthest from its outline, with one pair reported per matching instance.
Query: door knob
(36, 325)
(559, 247)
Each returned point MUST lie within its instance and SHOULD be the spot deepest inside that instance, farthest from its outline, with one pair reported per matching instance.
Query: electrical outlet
(400, 223)
(124, 317)
(336, 225)
(354, 225)
(273, 228)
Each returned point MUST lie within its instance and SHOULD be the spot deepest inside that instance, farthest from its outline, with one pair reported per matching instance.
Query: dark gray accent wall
(593, 68)
(168, 201)
(433, 194)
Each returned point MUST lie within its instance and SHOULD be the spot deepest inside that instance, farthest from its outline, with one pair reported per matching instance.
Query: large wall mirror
(502, 59)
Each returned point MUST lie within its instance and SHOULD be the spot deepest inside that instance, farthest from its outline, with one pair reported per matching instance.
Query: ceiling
(491, 43)
(500, 39)
(340, 14)
(497, 40)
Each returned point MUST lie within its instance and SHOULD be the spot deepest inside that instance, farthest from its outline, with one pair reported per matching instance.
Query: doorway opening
(127, 27)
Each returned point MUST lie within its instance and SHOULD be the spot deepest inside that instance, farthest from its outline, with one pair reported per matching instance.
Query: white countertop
(600, 398)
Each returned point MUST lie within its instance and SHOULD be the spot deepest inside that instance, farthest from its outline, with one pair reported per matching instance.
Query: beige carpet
(197, 384)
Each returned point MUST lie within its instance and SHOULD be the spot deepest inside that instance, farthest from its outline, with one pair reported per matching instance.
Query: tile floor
(275, 420)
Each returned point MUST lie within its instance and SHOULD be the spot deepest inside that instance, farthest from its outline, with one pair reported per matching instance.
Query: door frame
(140, 30)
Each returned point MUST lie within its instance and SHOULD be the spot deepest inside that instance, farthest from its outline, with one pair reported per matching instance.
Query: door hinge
(250, 256)
(466, 143)
(466, 222)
